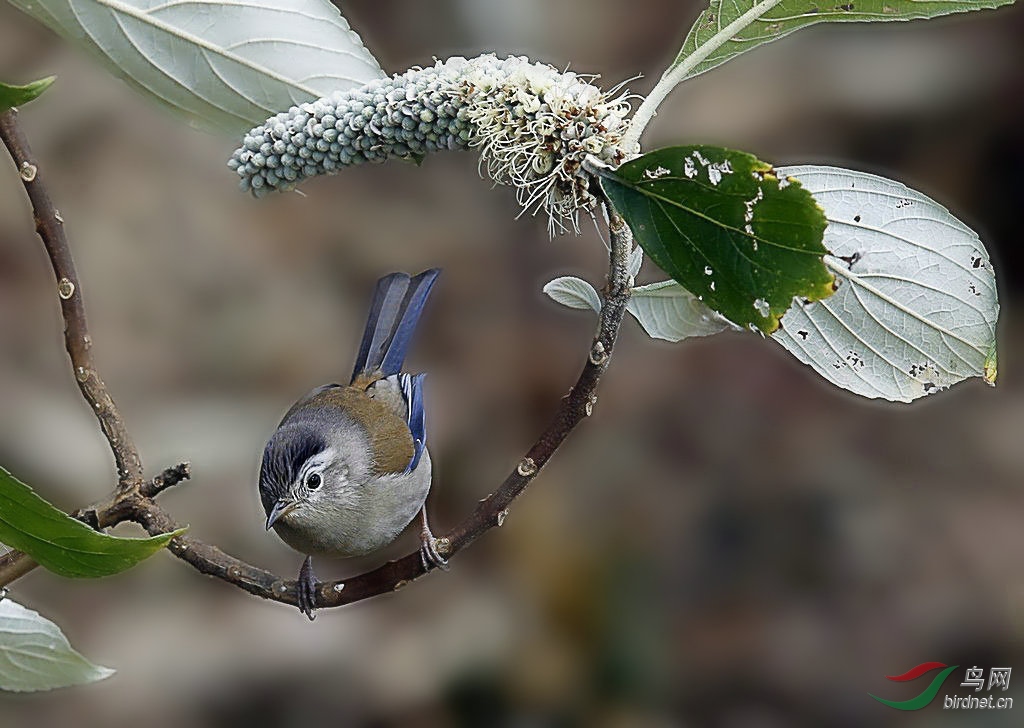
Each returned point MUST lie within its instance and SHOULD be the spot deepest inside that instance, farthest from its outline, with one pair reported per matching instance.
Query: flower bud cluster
(533, 125)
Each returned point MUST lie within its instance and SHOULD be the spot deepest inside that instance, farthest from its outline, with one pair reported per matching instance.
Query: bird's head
(301, 470)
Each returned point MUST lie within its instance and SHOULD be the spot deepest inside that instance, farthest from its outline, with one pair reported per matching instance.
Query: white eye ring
(314, 481)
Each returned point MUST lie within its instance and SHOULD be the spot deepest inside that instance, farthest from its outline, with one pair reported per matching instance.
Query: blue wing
(412, 393)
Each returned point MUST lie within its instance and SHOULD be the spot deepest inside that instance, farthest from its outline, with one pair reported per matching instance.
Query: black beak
(280, 508)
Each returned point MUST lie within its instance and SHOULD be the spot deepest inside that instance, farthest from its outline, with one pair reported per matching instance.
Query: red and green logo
(927, 695)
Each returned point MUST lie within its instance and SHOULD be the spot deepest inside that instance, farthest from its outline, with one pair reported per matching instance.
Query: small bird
(347, 469)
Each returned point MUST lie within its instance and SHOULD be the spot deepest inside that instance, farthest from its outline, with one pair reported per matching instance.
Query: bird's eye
(313, 481)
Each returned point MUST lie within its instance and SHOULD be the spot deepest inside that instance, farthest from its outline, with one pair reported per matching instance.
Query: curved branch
(488, 514)
(134, 500)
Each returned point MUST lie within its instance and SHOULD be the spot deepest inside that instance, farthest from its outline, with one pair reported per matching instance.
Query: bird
(347, 468)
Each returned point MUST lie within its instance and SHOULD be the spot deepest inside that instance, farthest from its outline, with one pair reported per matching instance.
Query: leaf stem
(680, 70)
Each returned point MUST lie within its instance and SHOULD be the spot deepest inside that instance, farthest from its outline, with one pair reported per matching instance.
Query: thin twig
(133, 499)
(169, 478)
(14, 565)
(50, 227)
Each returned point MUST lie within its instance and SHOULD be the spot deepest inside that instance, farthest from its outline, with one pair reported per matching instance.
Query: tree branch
(50, 227)
(170, 477)
(133, 500)
(489, 513)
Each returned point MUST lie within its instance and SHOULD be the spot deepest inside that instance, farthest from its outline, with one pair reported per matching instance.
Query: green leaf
(11, 96)
(35, 654)
(727, 228)
(731, 27)
(62, 544)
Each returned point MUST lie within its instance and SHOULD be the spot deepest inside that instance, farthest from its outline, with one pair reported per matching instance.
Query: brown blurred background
(728, 542)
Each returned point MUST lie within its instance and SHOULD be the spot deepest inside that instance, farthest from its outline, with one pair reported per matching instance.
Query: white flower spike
(533, 125)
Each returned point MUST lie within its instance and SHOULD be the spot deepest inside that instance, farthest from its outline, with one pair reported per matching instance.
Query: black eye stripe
(286, 452)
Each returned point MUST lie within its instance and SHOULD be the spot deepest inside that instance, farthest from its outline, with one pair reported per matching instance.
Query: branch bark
(50, 227)
(133, 499)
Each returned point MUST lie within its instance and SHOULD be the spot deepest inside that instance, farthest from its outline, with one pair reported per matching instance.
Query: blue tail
(397, 304)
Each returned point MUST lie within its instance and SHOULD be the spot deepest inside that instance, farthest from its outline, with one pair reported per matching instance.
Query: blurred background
(728, 542)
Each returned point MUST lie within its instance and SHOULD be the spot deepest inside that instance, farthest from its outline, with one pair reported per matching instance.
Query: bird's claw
(430, 555)
(306, 588)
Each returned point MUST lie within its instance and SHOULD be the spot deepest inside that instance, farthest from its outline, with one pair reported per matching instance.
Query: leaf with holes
(916, 307)
(222, 65)
(731, 27)
(11, 96)
(35, 654)
(726, 227)
(62, 544)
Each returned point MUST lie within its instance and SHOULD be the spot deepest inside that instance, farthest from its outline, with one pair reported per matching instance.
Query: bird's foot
(306, 587)
(430, 547)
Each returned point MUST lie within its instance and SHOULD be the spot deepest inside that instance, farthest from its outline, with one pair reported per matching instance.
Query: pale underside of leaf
(665, 310)
(636, 261)
(223, 65)
(35, 654)
(668, 311)
(916, 307)
(574, 293)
